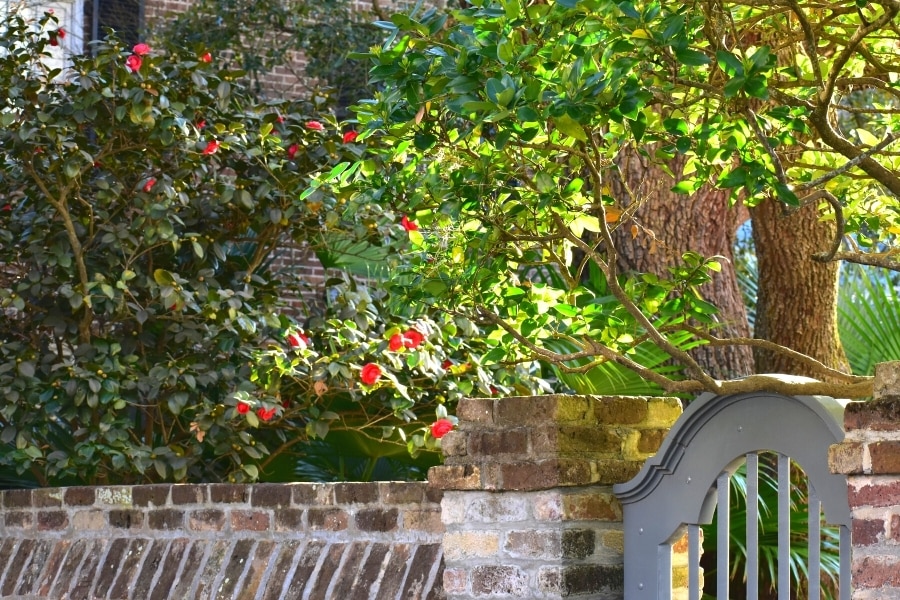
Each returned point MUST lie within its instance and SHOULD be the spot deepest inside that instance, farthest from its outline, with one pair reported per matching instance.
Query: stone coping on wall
(250, 542)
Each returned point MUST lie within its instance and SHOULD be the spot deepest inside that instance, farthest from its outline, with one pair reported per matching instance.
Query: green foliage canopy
(504, 121)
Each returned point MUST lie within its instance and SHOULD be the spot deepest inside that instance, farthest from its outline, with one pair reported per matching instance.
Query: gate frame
(712, 437)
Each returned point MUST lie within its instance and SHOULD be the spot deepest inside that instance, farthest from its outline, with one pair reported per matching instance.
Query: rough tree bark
(667, 226)
(797, 302)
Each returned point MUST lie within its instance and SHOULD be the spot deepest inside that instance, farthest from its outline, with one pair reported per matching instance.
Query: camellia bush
(143, 333)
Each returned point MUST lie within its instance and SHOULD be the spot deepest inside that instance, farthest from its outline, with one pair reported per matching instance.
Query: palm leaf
(869, 320)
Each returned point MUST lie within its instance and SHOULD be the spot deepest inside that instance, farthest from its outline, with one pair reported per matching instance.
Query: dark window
(125, 17)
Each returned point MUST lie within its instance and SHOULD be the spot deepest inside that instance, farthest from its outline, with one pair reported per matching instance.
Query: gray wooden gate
(679, 488)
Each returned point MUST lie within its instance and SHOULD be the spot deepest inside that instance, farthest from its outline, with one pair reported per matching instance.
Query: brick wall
(870, 457)
(263, 542)
(528, 503)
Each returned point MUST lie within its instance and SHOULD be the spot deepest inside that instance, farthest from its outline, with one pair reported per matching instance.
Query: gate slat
(752, 525)
(723, 535)
(784, 527)
(845, 563)
(694, 562)
(814, 539)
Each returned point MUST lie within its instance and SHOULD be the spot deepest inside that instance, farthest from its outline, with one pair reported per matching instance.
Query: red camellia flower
(141, 49)
(350, 136)
(408, 225)
(412, 339)
(134, 63)
(315, 125)
(446, 364)
(243, 408)
(370, 374)
(57, 35)
(207, 57)
(297, 338)
(265, 413)
(149, 185)
(292, 151)
(6, 207)
(396, 342)
(201, 124)
(441, 427)
(280, 118)
(211, 147)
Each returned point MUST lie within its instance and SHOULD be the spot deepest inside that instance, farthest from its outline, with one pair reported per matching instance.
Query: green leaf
(571, 127)
(691, 58)
(730, 63)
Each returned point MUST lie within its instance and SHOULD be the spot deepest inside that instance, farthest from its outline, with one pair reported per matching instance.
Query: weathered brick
(305, 566)
(283, 562)
(650, 440)
(21, 519)
(895, 527)
(885, 457)
(395, 492)
(79, 496)
(456, 581)
(288, 519)
(167, 518)
(846, 458)
(88, 520)
(349, 569)
(312, 494)
(455, 477)
(256, 569)
(392, 581)
(420, 568)
(592, 506)
(57, 555)
(369, 571)
(867, 532)
(67, 569)
(271, 495)
(526, 476)
(207, 576)
(424, 519)
(327, 569)
(499, 580)
(249, 520)
(475, 411)
(17, 499)
(377, 519)
(30, 575)
(497, 508)
(229, 493)
(461, 545)
(591, 579)
(126, 519)
(538, 410)
(206, 519)
(454, 444)
(14, 569)
(49, 520)
(494, 443)
(162, 590)
(88, 570)
(621, 410)
(329, 519)
(188, 494)
(106, 572)
(883, 492)
(234, 568)
(578, 543)
(662, 412)
(115, 495)
(189, 575)
(880, 415)
(150, 495)
(875, 572)
(539, 544)
(554, 440)
(47, 498)
(355, 493)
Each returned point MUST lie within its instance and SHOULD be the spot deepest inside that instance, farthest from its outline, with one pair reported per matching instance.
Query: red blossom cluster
(297, 339)
(410, 340)
(408, 225)
(57, 35)
(441, 427)
(370, 373)
(265, 414)
(135, 61)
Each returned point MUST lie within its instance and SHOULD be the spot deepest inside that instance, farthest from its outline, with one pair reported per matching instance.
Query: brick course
(222, 541)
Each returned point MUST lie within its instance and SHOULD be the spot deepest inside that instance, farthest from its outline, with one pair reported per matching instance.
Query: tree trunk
(797, 301)
(665, 227)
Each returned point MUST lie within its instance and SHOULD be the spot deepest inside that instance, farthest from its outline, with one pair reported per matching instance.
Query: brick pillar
(528, 504)
(870, 457)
